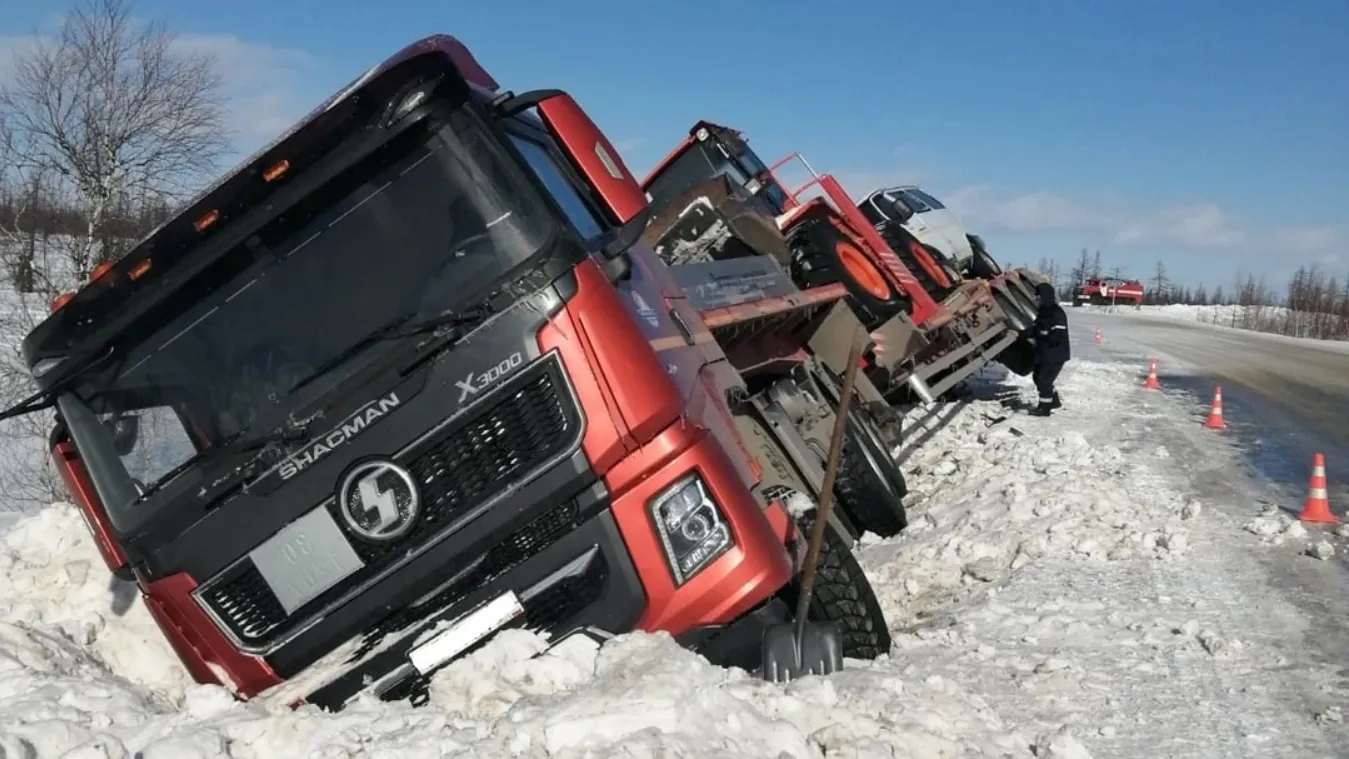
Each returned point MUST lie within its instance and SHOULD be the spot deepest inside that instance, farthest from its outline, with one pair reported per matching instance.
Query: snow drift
(1008, 641)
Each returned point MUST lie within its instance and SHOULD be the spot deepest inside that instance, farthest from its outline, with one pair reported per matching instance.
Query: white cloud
(262, 83)
(1202, 226)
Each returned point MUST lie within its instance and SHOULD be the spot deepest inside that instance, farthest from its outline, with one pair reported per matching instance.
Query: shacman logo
(475, 383)
(338, 436)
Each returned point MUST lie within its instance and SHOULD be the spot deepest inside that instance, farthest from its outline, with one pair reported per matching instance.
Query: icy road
(1285, 399)
(1113, 581)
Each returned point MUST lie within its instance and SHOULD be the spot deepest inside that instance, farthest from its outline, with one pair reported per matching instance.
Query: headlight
(692, 529)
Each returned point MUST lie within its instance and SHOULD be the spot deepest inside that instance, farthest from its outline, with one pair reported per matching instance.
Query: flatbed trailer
(714, 199)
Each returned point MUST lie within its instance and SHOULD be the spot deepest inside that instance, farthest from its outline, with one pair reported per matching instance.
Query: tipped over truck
(408, 377)
(715, 199)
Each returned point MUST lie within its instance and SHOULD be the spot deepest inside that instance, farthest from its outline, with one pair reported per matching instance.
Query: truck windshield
(422, 226)
(703, 160)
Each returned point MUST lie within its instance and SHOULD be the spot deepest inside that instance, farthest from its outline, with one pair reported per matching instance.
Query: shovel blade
(821, 651)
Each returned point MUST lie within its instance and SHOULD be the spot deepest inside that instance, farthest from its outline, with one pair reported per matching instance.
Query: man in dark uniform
(1051, 349)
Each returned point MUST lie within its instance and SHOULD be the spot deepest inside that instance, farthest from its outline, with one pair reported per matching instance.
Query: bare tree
(1160, 284)
(1079, 274)
(118, 112)
(103, 124)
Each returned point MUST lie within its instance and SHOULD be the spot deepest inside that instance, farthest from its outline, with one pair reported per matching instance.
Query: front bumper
(593, 561)
(585, 578)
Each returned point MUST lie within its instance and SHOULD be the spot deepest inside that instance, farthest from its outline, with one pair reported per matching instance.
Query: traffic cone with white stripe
(1317, 506)
(1215, 414)
(1152, 383)
(1098, 336)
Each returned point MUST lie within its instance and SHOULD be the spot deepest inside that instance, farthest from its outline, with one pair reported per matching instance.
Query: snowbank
(1040, 604)
(78, 678)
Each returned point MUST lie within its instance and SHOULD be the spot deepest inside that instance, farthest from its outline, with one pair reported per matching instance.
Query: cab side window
(583, 219)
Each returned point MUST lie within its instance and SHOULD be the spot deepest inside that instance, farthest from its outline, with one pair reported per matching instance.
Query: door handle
(683, 327)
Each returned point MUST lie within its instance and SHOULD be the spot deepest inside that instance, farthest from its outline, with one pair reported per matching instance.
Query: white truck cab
(933, 224)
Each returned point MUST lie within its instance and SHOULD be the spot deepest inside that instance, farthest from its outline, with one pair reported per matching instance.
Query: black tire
(869, 486)
(899, 240)
(1029, 303)
(815, 262)
(1027, 289)
(983, 265)
(1016, 314)
(843, 595)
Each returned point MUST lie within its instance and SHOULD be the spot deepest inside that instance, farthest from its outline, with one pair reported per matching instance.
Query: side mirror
(125, 432)
(591, 154)
(901, 210)
(627, 235)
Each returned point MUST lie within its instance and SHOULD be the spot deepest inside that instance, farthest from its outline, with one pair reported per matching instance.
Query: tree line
(1314, 303)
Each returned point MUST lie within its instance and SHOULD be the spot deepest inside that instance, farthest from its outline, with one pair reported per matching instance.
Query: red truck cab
(1106, 291)
(405, 370)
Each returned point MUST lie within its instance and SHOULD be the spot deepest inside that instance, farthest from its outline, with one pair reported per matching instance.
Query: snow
(1066, 589)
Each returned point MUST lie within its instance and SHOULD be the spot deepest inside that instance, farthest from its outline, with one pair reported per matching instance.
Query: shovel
(791, 651)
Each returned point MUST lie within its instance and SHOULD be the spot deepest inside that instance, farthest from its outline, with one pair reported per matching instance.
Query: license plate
(307, 557)
(466, 631)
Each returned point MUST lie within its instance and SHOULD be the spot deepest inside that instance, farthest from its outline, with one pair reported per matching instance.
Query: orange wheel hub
(862, 271)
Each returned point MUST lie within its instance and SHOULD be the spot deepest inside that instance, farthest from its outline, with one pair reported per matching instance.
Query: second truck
(715, 199)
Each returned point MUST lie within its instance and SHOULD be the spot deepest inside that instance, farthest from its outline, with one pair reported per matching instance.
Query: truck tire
(923, 261)
(1016, 314)
(1027, 289)
(869, 486)
(843, 595)
(982, 265)
(822, 255)
(1029, 303)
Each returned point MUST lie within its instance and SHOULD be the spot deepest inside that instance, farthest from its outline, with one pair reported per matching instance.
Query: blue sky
(1211, 135)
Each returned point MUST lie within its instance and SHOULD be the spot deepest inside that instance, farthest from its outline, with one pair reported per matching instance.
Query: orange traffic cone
(1317, 506)
(1098, 337)
(1152, 383)
(1215, 414)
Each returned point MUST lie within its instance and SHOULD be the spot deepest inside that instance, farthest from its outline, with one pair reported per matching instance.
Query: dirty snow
(1063, 591)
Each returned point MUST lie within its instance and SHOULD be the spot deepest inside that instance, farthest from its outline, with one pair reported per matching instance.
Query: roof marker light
(276, 171)
(207, 219)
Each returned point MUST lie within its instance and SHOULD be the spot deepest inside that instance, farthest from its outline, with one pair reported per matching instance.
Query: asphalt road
(1283, 400)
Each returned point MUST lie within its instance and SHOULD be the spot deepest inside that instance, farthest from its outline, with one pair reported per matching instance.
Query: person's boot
(1057, 403)
(1043, 409)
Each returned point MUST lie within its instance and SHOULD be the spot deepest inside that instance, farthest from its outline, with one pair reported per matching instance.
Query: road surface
(1284, 400)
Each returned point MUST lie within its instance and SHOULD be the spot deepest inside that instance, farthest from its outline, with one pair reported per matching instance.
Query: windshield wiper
(403, 326)
(46, 398)
(239, 443)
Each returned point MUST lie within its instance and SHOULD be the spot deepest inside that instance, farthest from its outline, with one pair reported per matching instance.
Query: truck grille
(527, 423)
(501, 557)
